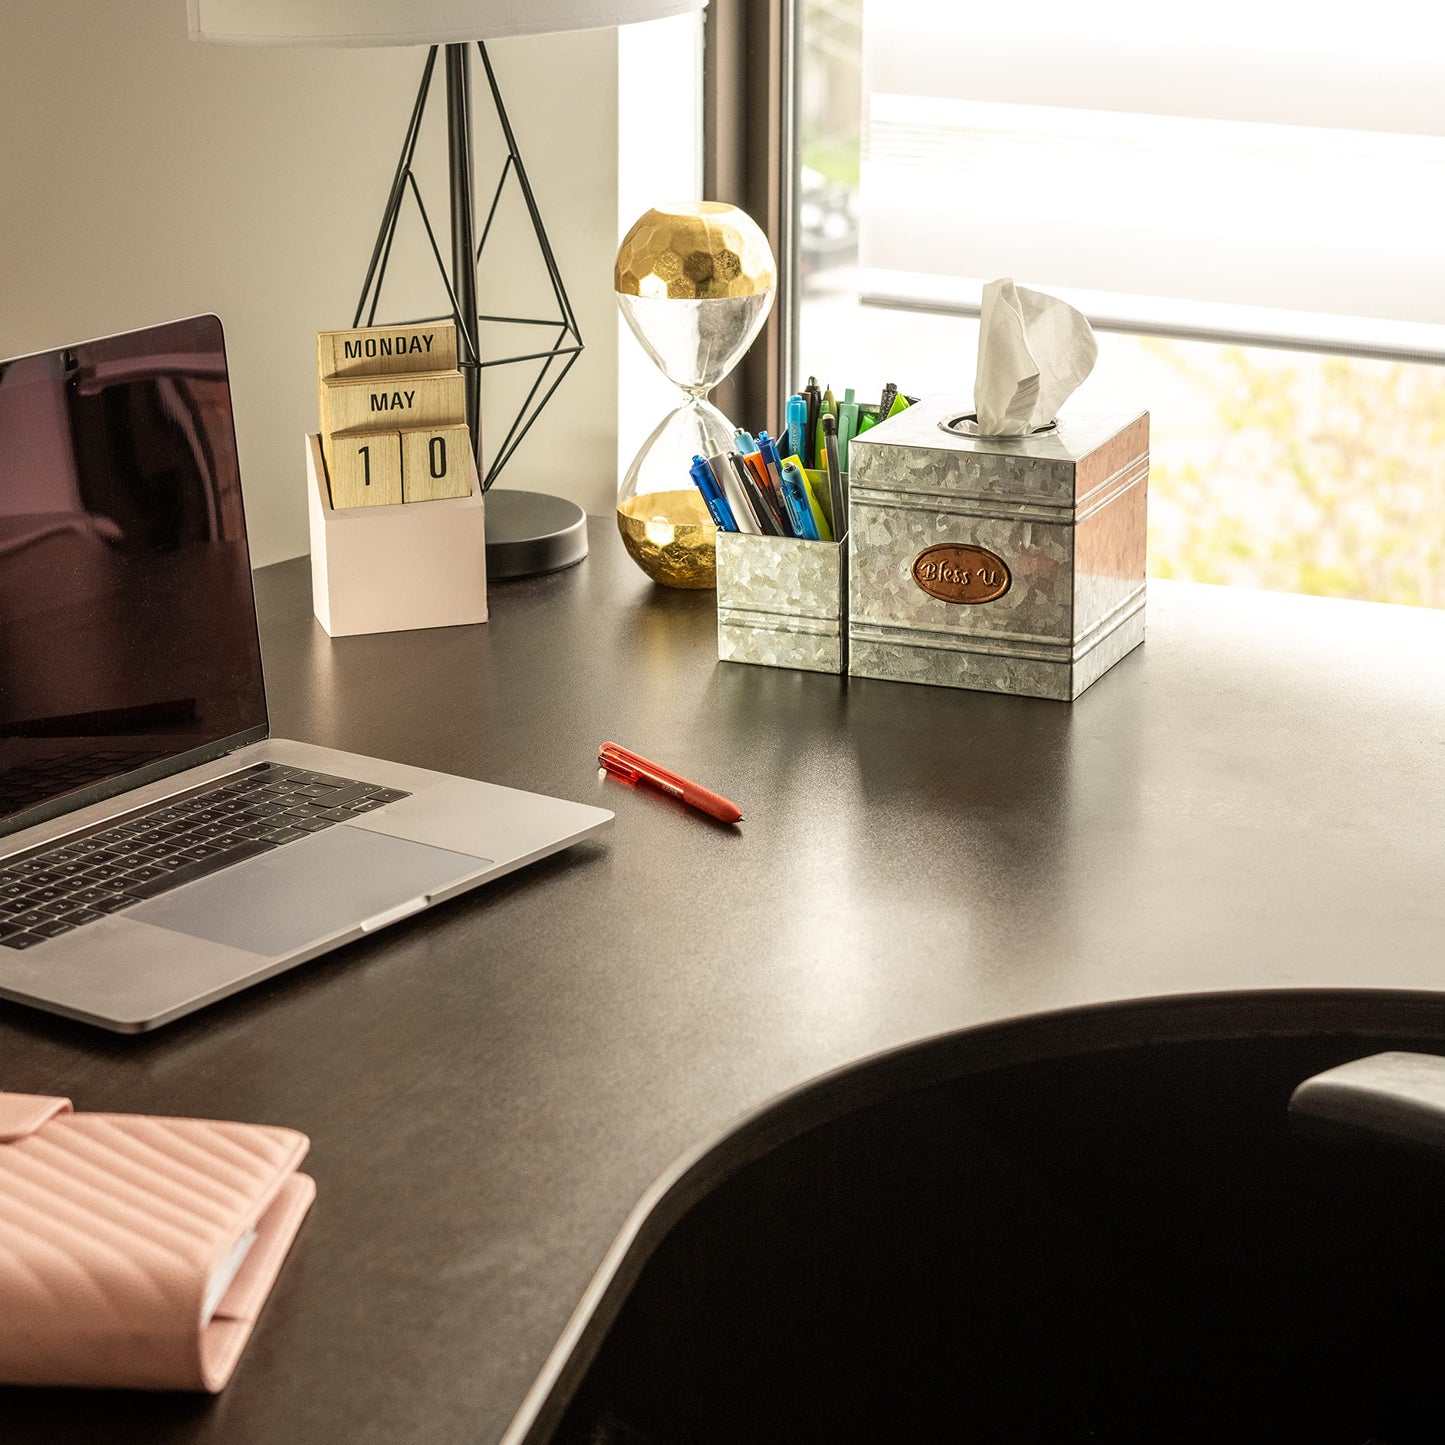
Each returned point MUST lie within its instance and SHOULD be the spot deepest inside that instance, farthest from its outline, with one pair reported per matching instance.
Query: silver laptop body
(133, 722)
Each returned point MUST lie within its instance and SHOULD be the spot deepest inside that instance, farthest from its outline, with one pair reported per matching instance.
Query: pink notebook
(136, 1252)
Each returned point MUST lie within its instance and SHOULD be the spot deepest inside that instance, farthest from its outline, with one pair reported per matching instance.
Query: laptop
(159, 850)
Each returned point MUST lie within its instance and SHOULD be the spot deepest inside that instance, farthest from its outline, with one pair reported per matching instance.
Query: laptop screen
(128, 645)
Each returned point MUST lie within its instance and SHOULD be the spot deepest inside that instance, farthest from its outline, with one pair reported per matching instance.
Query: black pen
(750, 487)
(769, 475)
(815, 404)
(762, 504)
(836, 496)
(890, 395)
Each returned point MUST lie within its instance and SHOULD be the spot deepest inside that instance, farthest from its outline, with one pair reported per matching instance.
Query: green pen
(815, 489)
(867, 419)
(847, 427)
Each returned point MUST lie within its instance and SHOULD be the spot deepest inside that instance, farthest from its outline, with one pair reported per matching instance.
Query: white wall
(143, 177)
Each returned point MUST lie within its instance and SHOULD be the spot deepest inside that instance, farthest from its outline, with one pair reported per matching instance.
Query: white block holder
(395, 568)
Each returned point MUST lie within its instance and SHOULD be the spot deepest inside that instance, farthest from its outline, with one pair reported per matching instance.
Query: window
(1250, 209)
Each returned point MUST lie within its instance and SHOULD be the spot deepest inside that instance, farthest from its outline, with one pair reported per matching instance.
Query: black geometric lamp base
(527, 532)
(531, 532)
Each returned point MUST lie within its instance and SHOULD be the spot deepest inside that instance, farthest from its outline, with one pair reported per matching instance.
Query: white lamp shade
(411, 22)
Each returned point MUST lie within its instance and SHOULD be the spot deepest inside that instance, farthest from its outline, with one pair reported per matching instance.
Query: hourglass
(695, 282)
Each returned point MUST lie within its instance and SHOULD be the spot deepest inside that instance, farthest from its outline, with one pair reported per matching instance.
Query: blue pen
(797, 422)
(796, 496)
(743, 442)
(713, 499)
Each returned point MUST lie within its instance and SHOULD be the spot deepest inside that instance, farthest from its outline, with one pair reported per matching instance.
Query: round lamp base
(531, 532)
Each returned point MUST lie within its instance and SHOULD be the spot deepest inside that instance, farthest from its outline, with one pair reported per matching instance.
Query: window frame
(750, 159)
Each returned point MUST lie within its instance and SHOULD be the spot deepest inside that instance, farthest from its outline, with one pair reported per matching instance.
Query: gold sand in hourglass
(671, 537)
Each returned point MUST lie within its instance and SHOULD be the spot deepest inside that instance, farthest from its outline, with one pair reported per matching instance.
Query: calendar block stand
(392, 569)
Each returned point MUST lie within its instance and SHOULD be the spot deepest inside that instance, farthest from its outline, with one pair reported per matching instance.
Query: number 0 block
(434, 463)
(365, 469)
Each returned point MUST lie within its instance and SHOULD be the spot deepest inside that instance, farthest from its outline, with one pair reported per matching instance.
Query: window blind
(1259, 171)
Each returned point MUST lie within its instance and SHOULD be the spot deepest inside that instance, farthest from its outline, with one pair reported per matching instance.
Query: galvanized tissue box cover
(1009, 565)
(780, 602)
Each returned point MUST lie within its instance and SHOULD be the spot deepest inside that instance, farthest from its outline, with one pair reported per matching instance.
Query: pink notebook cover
(113, 1228)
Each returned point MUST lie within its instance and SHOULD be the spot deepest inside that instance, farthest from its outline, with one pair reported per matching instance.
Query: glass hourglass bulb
(695, 283)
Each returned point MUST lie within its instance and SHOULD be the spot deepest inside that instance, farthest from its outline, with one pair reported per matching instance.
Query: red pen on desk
(624, 764)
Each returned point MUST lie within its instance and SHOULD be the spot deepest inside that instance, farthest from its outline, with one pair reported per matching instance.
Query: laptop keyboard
(76, 881)
(27, 783)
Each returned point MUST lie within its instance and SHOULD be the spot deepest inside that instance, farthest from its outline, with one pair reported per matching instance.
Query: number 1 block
(434, 463)
(365, 469)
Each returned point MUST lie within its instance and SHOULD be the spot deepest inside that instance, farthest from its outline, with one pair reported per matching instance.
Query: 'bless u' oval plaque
(955, 572)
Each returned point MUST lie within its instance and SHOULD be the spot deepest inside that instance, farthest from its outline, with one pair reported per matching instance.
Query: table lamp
(527, 532)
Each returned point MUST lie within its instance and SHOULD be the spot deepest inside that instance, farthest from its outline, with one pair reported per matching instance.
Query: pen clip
(607, 758)
(624, 764)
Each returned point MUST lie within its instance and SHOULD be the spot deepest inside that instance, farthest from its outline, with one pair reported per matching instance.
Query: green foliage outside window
(1323, 475)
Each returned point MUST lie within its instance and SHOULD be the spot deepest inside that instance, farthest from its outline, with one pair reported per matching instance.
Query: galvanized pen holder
(782, 602)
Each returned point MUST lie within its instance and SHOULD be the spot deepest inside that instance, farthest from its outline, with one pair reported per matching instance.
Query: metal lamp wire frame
(568, 344)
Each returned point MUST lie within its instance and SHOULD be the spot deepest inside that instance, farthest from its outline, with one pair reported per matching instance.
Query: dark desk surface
(1255, 799)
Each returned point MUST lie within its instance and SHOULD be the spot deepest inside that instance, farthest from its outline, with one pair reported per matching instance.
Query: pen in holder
(782, 602)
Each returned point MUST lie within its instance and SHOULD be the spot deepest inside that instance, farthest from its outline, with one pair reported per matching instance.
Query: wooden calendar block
(381, 350)
(434, 463)
(384, 403)
(365, 469)
(374, 403)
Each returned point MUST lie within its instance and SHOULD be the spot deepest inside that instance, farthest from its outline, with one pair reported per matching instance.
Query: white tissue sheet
(1033, 353)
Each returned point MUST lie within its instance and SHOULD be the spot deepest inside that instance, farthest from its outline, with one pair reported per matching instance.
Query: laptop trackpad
(308, 891)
